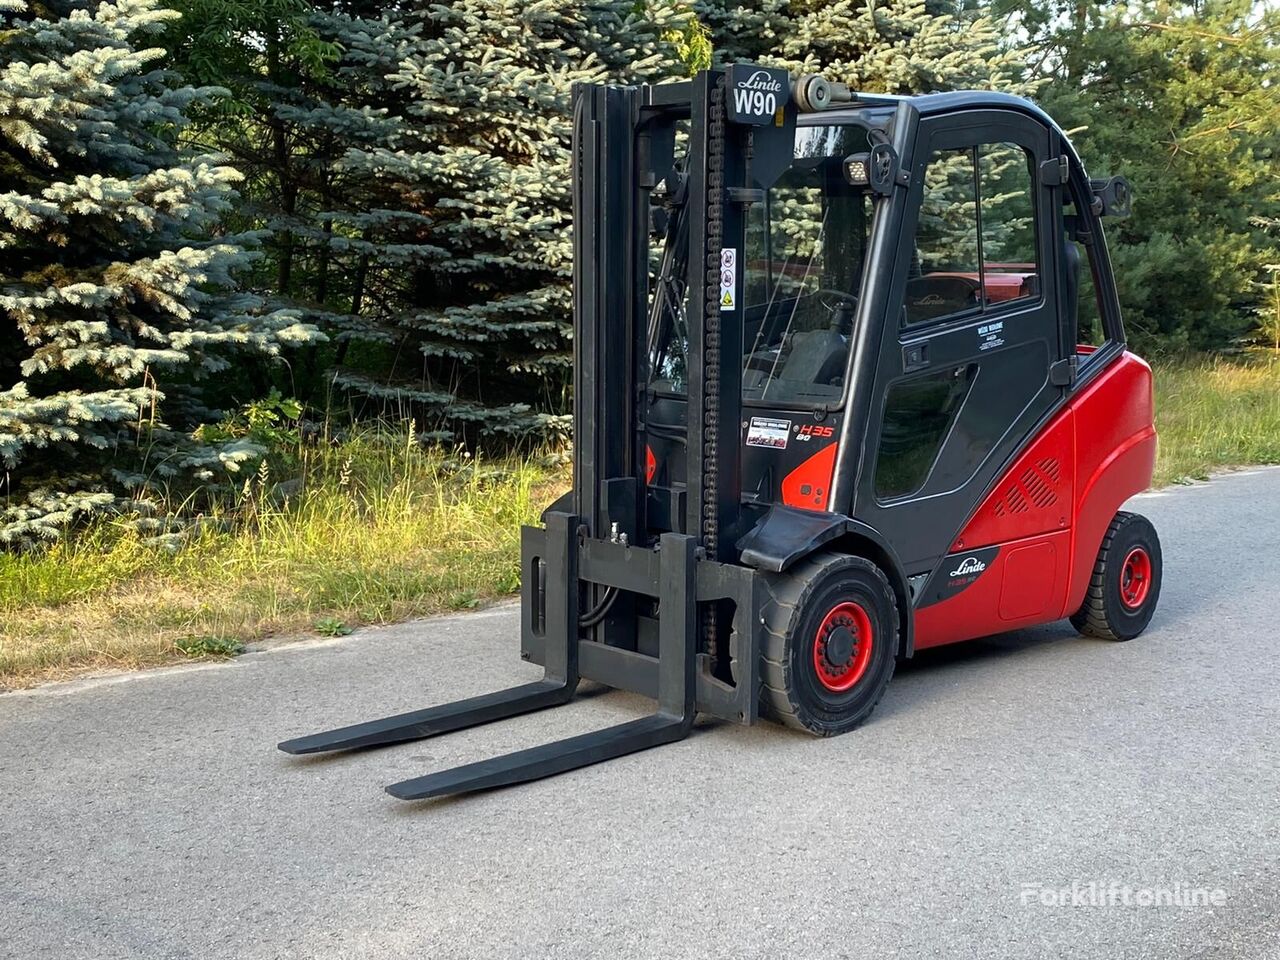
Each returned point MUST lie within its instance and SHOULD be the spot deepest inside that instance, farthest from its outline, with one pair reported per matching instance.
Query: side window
(1008, 211)
(943, 278)
(917, 417)
(975, 244)
(1081, 294)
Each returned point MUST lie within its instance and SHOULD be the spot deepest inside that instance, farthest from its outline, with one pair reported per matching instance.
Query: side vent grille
(1036, 487)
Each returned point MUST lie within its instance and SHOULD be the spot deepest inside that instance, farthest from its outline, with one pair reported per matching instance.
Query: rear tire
(1125, 585)
(829, 644)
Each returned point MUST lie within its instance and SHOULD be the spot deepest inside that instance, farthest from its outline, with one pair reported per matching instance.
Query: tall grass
(1216, 413)
(376, 528)
(373, 529)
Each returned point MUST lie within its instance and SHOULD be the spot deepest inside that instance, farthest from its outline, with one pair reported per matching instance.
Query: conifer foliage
(416, 185)
(116, 285)
(888, 46)
(477, 341)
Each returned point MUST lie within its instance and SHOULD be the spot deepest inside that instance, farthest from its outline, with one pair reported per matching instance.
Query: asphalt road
(150, 816)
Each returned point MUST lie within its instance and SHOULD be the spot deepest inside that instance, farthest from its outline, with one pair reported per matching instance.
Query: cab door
(970, 366)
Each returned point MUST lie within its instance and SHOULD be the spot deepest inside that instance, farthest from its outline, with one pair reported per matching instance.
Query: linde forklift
(831, 408)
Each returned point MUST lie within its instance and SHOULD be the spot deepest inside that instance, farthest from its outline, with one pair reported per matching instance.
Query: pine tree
(885, 46)
(479, 342)
(117, 298)
(1184, 100)
(356, 241)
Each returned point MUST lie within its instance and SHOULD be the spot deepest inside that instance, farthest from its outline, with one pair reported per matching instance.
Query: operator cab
(897, 339)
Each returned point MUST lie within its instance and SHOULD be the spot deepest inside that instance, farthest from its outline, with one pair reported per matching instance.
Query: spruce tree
(479, 340)
(885, 46)
(356, 239)
(117, 299)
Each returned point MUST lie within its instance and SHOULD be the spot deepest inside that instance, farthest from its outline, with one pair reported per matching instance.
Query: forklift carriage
(831, 408)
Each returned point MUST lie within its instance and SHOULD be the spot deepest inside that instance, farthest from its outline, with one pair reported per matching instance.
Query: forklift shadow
(916, 680)
(766, 736)
(1029, 641)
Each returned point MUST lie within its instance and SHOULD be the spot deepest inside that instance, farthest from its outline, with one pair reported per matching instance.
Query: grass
(380, 530)
(1216, 413)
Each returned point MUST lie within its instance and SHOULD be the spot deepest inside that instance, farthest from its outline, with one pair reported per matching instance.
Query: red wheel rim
(838, 662)
(1135, 578)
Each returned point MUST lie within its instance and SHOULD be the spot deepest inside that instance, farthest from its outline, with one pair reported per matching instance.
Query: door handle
(915, 356)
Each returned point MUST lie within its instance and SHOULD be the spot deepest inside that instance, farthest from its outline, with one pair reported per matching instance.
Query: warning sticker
(767, 432)
(729, 278)
(991, 336)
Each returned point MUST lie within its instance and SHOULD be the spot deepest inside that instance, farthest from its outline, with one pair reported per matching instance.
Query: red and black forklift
(832, 407)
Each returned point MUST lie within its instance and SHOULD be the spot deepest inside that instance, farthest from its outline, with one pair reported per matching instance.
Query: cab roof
(934, 104)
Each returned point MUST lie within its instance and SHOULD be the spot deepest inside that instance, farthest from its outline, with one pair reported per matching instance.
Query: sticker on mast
(729, 278)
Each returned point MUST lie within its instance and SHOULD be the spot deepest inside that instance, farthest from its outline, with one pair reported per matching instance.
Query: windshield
(803, 258)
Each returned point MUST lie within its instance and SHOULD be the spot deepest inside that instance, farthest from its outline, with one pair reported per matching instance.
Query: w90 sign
(756, 94)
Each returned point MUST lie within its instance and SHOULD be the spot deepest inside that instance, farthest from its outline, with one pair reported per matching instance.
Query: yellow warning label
(728, 278)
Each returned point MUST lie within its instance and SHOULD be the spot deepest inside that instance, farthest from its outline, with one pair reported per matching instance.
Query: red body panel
(1050, 510)
(1024, 585)
(1115, 458)
(1035, 495)
(809, 485)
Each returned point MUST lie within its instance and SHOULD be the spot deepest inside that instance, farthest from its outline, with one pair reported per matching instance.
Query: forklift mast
(720, 155)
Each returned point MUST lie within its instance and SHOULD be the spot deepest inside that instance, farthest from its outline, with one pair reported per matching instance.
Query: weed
(332, 627)
(464, 600)
(209, 646)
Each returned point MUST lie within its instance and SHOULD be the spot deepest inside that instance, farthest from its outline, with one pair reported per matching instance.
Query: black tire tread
(785, 595)
(1091, 619)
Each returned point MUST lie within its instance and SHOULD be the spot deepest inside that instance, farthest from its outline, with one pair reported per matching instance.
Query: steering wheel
(841, 305)
(832, 299)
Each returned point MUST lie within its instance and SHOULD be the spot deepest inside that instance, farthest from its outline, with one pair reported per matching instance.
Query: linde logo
(968, 567)
(760, 80)
(758, 94)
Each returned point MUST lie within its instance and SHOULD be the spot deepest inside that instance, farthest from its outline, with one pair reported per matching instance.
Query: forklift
(832, 407)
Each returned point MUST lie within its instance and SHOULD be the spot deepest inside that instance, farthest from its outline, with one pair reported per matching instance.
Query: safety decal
(767, 432)
(729, 279)
(991, 335)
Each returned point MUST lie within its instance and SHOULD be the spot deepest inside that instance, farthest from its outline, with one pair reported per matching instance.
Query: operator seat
(817, 356)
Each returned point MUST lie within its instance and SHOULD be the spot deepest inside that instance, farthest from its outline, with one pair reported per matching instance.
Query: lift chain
(711, 346)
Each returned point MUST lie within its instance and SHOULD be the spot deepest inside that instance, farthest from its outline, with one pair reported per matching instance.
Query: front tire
(830, 643)
(1125, 585)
